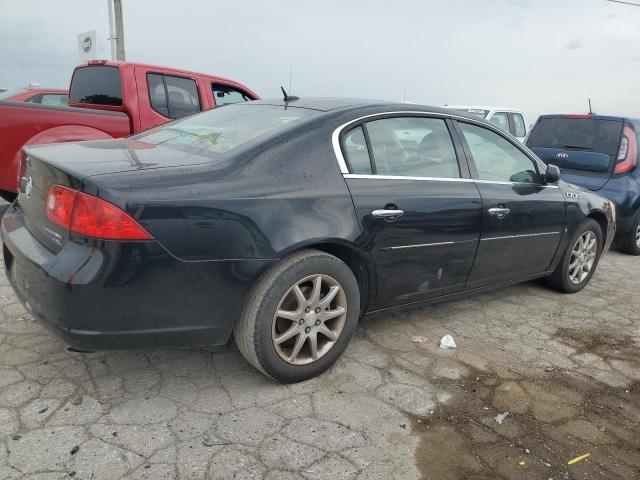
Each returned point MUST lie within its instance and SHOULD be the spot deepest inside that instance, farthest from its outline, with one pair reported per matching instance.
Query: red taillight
(91, 216)
(59, 206)
(628, 154)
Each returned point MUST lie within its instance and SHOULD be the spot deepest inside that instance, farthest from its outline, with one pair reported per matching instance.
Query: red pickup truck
(108, 100)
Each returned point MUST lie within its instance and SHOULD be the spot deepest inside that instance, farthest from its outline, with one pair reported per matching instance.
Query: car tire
(284, 313)
(629, 243)
(570, 275)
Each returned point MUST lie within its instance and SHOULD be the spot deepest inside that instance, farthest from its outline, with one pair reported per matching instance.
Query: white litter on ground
(447, 342)
(500, 417)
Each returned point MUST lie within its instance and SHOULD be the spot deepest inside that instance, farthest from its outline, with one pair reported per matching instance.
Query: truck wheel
(299, 317)
(580, 259)
(630, 242)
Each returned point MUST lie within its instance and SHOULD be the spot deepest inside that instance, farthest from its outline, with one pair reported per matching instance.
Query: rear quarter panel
(23, 124)
(262, 203)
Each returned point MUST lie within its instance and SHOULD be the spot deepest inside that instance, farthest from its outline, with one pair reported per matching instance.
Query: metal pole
(117, 10)
(112, 34)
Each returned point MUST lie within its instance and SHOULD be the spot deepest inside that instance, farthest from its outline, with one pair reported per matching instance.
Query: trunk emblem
(562, 155)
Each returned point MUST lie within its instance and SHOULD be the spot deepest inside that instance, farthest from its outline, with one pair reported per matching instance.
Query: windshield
(586, 134)
(11, 93)
(476, 112)
(219, 130)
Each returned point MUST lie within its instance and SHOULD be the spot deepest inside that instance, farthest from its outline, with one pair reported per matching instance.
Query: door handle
(388, 215)
(499, 212)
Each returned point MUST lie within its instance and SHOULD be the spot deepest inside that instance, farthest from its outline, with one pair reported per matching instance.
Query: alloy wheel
(309, 319)
(583, 256)
(638, 236)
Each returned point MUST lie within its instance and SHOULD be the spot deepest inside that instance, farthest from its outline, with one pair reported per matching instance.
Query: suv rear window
(97, 85)
(588, 134)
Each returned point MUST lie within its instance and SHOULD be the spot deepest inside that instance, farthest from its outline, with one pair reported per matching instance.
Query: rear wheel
(630, 242)
(580, 259)
(300, 316)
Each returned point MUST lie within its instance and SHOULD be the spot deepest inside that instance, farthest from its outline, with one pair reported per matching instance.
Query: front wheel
(299, 317)
(580, 259)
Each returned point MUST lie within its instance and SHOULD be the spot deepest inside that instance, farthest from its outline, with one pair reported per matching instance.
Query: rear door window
(357, 152)
(586, 134)
(412, 147)
(97, 85)
(173, 97)
(225, 94)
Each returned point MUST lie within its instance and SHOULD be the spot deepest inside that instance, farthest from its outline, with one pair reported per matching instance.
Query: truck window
(520, 127)
(501, 120)
(173, 97)
(225, 94)
(97, 85)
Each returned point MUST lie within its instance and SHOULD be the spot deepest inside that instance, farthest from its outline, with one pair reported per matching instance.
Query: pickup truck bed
(19, 121)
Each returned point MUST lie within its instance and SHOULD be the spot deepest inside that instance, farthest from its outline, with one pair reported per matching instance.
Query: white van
(509, 119)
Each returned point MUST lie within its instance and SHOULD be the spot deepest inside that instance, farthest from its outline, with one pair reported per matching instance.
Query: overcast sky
(544, 56)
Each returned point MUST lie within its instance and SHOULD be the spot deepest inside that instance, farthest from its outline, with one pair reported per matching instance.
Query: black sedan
(284, 222)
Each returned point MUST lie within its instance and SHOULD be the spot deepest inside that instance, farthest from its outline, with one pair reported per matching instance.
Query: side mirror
(553, 174)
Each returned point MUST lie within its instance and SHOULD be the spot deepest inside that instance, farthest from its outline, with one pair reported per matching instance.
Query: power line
(624, 3)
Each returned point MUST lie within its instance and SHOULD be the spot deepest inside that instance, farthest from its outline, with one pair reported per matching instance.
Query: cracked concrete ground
(565, 367)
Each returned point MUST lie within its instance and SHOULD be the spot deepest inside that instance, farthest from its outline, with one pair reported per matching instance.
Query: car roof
(345, 104)
(592, 117)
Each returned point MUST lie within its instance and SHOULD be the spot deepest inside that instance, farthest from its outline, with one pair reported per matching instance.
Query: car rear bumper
(125, 295)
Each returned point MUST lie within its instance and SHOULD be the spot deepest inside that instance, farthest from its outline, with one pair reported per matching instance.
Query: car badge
(562, 155)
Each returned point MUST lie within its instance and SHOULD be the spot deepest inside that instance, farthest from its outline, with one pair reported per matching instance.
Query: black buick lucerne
(282, 223)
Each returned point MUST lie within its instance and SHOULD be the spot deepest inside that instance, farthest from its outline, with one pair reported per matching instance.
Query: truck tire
(299, 317)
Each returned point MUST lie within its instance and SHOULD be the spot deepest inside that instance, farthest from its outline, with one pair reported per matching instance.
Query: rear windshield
(97, 85)
(217, 131)
(588, 134)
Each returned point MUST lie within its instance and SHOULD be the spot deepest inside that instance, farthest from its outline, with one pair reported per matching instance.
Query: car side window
(496, 158)
(413, 147)
(225, 94)
(357, 152)
(520, 127)
(173, 97)
(501, 120)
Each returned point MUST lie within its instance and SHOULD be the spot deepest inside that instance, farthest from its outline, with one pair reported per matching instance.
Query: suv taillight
(628, 153)
(91, 216)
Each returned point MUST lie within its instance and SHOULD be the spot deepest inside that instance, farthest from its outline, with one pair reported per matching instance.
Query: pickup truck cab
(508, 119)
(108, 100)
(599, 153)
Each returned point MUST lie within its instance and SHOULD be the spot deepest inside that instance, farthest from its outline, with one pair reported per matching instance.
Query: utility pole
(116, 29)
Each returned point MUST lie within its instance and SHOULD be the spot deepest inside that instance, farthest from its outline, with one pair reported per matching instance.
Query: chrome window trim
(337, 150)
(440, 179)
(520, 236)
(401, 177)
